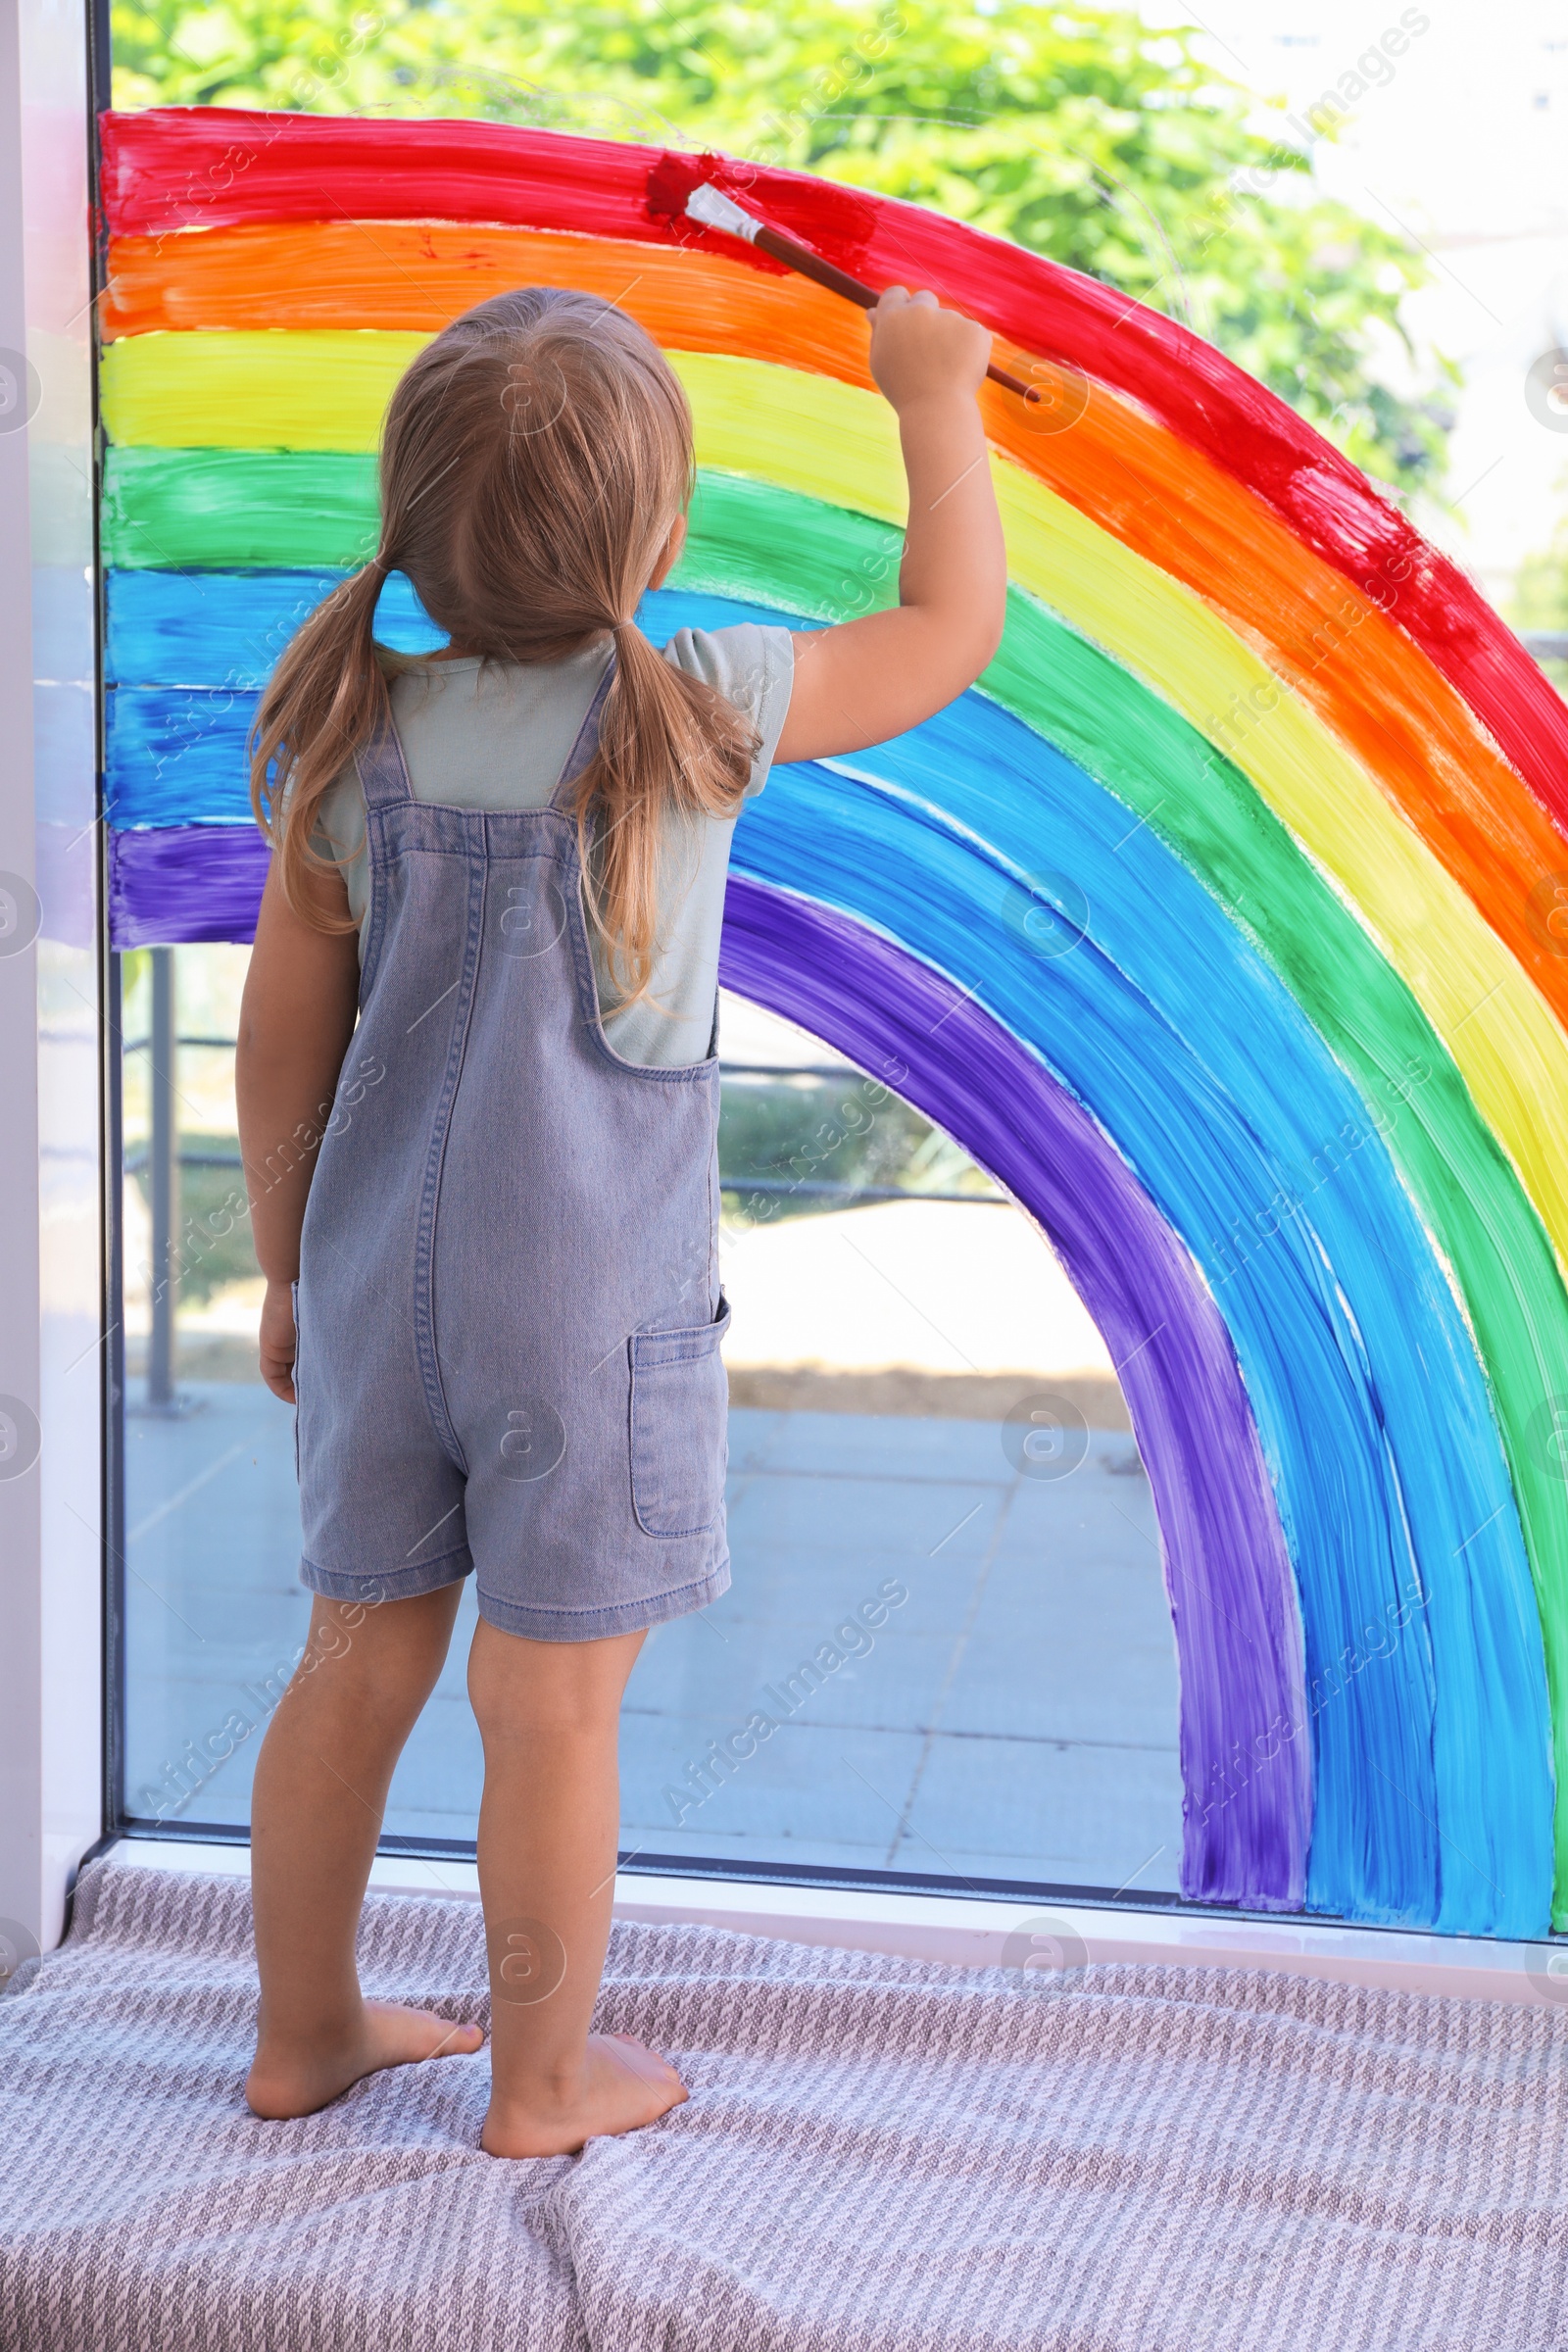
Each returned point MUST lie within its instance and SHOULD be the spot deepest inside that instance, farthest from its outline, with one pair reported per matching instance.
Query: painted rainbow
(1220, 921)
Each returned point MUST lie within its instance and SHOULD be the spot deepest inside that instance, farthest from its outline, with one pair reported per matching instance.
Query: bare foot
(624, 2085)
(298, 2078)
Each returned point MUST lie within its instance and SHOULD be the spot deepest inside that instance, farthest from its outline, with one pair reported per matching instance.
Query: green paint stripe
(217, 509)
(750, 540)
(220, 510)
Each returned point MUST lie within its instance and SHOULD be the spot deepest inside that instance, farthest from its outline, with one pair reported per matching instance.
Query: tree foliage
(1072, 129)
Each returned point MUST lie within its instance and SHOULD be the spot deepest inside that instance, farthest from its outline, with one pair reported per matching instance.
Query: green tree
(1072, 129)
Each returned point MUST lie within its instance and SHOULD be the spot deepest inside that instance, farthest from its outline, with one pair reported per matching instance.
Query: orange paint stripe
(401, 275)
(1362, 675)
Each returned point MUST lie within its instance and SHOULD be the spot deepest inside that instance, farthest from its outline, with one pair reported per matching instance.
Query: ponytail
(324, 701)
(667, 739)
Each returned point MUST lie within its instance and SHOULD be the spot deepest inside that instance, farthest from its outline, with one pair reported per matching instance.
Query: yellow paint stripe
(329, 390)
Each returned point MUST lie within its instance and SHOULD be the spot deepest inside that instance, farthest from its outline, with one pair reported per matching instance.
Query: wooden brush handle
(784, 249)
(812, 265)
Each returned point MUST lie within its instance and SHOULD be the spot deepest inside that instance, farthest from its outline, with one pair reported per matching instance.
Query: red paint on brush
(670, 184)
(839, 223)
(673, 180)
(175, 168)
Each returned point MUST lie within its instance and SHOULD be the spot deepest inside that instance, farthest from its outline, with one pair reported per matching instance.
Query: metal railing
(164, 1159)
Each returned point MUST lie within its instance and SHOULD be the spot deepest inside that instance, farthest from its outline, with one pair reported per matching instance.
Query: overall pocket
(679, 1427)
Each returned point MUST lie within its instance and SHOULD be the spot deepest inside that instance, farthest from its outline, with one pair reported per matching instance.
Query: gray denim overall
(509, 1312)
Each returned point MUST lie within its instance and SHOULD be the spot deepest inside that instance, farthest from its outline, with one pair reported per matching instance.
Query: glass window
(946, 1651)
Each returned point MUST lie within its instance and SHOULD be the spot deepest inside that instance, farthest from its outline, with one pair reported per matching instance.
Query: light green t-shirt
(498, 737)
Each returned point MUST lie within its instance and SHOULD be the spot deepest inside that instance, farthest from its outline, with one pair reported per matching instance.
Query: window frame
(54, 1319)
(62, 1702)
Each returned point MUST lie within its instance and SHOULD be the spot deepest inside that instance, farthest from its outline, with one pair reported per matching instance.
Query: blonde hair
(535, 457)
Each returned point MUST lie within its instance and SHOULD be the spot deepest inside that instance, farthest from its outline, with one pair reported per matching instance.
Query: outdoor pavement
(1015, 1717)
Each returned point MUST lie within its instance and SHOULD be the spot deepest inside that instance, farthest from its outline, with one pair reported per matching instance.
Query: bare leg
(321, 1781)
(549, 1714)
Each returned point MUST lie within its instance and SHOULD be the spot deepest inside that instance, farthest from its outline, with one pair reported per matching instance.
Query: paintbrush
(711, 207)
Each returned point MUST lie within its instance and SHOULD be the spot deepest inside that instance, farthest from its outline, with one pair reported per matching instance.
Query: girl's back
(496, 735)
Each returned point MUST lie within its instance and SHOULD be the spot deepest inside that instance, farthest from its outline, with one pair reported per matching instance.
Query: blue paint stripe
(1432, 1796)
(176, 756)
(225, 629)
(186, 653)
(228, 628)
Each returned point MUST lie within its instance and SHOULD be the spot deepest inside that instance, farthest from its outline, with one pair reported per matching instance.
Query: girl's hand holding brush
(920, 351)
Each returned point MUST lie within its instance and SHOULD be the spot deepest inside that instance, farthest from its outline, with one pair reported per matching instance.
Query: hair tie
(378, 564)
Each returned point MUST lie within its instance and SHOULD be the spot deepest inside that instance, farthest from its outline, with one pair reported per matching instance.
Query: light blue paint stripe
(1373, 1407)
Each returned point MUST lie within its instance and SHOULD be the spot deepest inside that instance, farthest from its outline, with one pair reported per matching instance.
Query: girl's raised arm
(869, 679)
(295, 1021)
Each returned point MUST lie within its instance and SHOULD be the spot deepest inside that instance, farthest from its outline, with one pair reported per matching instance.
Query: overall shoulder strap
(382, 769)
(587, 741)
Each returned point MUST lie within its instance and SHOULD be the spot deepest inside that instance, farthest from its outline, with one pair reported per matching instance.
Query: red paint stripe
(173, 167)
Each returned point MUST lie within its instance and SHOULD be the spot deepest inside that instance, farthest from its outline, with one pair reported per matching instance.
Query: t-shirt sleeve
(338, 833)
(750, 667)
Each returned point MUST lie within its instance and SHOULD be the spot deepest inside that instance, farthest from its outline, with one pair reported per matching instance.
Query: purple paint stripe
(1243, 1749)
(1243, 1745)
(171, 884)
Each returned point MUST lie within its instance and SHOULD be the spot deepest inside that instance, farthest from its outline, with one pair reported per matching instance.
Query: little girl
(479, 1105)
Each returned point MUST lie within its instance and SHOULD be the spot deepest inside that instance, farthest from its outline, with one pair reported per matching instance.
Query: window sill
(972, 1934)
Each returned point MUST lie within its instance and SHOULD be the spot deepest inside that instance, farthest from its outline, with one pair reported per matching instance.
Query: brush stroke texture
(1373, 1415)
(1245, 1753)
(1369, 682)
(213, 166)
(186, 882)
(813, 436)
(1232, 1600)
(1371, 1451)
(186, 509)
(228, 628)
(1072, 693)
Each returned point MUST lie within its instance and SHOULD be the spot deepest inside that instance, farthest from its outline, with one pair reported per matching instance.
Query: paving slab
(1015, 1717)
